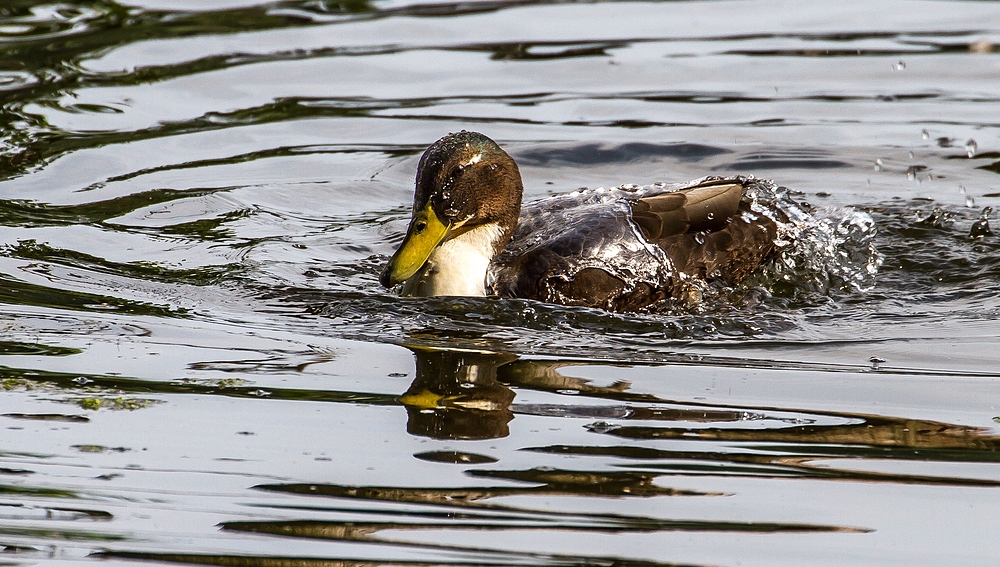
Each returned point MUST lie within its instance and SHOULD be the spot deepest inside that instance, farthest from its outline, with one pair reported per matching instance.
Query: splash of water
(826, 249)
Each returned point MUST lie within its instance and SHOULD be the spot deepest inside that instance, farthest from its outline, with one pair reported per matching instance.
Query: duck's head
(468, 194)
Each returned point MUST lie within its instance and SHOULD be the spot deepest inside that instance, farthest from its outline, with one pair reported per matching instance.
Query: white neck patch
(457, 266)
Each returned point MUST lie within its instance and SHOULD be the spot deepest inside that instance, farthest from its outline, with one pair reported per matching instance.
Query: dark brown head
(464, 180)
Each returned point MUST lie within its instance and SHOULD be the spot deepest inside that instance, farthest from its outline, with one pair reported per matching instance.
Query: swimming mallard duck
(620, 249)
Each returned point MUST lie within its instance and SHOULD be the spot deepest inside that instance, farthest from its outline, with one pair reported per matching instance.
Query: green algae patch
(22, 384)
(116, 403)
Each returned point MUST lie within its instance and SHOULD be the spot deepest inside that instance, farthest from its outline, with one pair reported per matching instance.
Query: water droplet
(970, 201)
(567, 392)
(899, 66)
(467, 385)
(875, 362)
(451, 212)
(971, 147)
(980, 228)
(82, 380)
(925, 134)
(710, 216)
(878, 165)
(934, 219)
(985, 215)
(913, 170)
(699, 237)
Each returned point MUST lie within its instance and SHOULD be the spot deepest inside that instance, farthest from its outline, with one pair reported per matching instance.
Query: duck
(620, 249)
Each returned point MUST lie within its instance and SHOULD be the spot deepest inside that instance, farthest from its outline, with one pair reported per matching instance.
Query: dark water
(199, 366)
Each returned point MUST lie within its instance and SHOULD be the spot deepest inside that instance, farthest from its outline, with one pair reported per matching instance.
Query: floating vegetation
(22, 384)
(100, 449)
(96, 398)
(116, 403)
(214, 383)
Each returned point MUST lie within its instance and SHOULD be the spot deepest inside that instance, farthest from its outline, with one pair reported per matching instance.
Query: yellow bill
(425, 233)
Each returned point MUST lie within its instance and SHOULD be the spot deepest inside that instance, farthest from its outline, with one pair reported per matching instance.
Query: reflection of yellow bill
(423, 236)
(422, 399)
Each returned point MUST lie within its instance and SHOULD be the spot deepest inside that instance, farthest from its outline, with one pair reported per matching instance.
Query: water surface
(199, 366)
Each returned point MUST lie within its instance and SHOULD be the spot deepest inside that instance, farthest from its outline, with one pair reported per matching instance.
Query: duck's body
(620, 249)
(625, 248)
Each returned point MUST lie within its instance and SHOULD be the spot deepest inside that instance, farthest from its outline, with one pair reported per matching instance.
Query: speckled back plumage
(628, 247)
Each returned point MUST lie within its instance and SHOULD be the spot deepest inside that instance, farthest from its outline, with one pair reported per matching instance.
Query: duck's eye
(419, 227)
(458, 171)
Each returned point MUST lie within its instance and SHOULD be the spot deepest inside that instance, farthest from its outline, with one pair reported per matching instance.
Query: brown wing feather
(730, 254)
(703, 208)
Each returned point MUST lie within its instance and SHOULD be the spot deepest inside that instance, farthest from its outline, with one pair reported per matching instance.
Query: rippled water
(199, 366)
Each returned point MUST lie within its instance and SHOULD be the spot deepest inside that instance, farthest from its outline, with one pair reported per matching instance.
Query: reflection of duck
(465, 394)
(469, 394)
(619, 249)
(456, 395)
